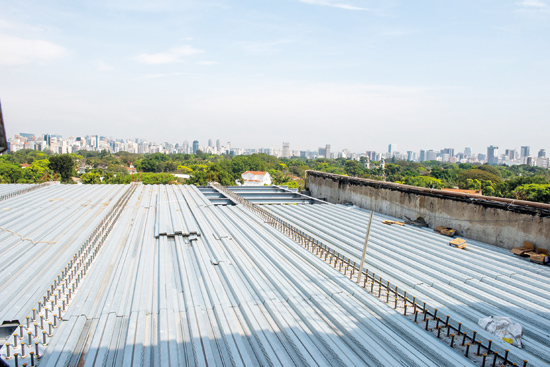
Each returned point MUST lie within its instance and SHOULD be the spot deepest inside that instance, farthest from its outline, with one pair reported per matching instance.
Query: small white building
(131, 170)
(256, 178)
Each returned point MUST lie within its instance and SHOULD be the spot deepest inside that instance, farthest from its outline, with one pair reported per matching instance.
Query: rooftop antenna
(3, 142)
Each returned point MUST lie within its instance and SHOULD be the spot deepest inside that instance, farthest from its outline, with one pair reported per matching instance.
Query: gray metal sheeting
(469, 284)
(9, 188)
(260, 195)
(39, 232)
(236, 293)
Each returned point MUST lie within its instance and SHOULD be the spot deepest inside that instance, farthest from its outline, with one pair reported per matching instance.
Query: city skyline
(58, 144)
(354, 73)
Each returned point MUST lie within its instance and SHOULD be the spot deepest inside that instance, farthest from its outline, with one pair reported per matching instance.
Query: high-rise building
(327, 151)
(449, 151)
(286, 150)
(525, 152)
(47, 139)
(422, 156)
(195, 146)
(492, 155)
(371, 154)
(410, 155)
(512, 154)
(218, 146)
(467, 152)
(542, 153)
(431, 155)
(27, 135)
(391, 149)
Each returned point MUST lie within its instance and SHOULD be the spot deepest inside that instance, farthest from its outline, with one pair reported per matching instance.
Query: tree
(534, 192)
(10, 172)
(149, 165)
(490, 169)
(424, 181)
(478, 174)
(91, 178)
(353, 168)
(62, 164)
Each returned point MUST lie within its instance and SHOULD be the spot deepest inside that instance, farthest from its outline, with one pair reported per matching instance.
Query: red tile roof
(256, 173)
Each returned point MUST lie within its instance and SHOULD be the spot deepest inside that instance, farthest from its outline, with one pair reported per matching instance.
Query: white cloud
(258, 48)
(19, 27)
(103, 66)
(173, 55)
(333, 4)
(159, 75)
(19, 51)
(208, 63)
(533, 7)
(533, 4)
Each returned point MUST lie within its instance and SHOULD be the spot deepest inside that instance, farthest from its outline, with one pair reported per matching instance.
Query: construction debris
(458, 243)
(504, 328)
(446, 231)
(523, 251)
(419, 222)
(390, 222)
(540, 256)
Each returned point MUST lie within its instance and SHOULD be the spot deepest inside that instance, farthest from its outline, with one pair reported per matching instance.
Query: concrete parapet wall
(501, 222)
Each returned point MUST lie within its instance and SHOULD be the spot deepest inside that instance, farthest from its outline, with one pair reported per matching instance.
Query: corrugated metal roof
(237, 292)
(260, 195)
(39, 233)
(9, 188)
(481, 281)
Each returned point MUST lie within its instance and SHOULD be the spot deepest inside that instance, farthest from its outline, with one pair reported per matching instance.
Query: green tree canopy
(62, 164)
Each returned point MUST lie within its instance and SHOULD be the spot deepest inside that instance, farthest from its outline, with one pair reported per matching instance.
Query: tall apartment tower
(195, 146)
(327, 151)
(525, 152)
(511, 154)
(391, 149)
(467, 152)
(431, 155)
(492, 155)
(218, 146)
(422, 157)
(286, 150)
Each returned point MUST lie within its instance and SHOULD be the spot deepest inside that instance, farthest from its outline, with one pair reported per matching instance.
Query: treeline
(102, 168)
(517, 182)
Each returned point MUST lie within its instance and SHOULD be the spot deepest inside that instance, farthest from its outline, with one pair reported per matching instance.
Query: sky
(356, 74)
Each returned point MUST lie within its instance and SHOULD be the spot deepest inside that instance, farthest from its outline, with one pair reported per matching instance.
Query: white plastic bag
(503, 328)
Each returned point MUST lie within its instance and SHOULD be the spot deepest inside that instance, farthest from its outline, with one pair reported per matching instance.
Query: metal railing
(444, 327)
(24, 191)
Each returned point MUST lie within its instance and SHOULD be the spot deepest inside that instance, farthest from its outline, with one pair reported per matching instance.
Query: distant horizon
(533, 151)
